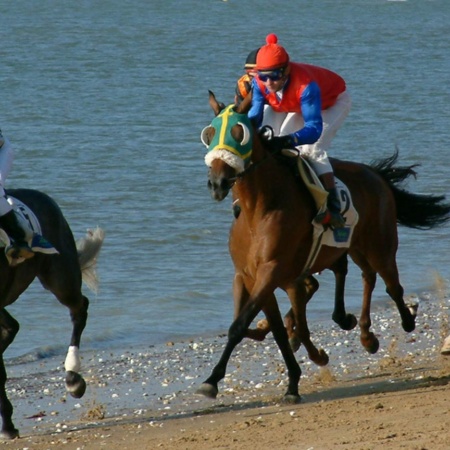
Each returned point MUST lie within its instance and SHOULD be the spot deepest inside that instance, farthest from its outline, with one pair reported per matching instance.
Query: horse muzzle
(219, 188)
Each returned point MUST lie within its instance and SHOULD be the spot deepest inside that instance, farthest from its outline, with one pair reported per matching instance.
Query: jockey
(18, 230)
(307, 105)
(244, 84)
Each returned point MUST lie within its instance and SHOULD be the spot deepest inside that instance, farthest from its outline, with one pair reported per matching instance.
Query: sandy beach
(145, 398)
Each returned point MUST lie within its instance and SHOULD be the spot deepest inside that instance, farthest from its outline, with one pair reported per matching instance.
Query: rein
(249, 169)
(268, 133)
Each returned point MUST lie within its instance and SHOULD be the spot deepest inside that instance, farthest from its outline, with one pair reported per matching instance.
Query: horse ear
(244, 106)
(207, 135)
(215, 105)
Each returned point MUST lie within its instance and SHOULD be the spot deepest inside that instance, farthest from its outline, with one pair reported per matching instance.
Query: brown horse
(271, 240)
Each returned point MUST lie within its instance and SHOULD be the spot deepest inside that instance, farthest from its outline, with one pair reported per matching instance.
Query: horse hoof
(75, 384)
(256, 334)
(208, 390)
(409, 326)
(322, 359)
(346, 323)
(7, 435)
(371, 344)
(350, 322)
(295, 343)
(292, 399)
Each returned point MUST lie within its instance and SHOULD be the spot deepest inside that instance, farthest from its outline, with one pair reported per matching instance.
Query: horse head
(229, 140)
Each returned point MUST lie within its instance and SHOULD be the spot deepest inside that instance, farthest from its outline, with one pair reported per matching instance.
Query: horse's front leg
(236, 333)
(261, 297)
(75, 383)
(280, 334)
(8, 330)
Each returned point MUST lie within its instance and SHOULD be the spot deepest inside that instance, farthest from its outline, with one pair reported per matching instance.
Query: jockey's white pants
(6, 160)
(333, 118)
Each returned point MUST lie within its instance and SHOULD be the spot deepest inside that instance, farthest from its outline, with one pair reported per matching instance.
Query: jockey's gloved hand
(278, 143)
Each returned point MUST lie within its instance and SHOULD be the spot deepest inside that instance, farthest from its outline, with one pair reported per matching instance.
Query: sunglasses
(273, 75)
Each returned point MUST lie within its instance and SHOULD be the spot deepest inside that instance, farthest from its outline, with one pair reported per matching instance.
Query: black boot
(334, 208)
(19, 248)
(332, 216)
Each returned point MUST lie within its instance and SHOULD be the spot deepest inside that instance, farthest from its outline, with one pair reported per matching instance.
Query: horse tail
(413, 210)
(88, 249)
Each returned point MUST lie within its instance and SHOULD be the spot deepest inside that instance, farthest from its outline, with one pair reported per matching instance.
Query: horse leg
(311, 285)
(297, 294)
(240, 297)
(262, 297)
(63, 278)
(394, 289)
(368, 340)
(340, 317)
(280, 335)
(75, 383)
(9, 327)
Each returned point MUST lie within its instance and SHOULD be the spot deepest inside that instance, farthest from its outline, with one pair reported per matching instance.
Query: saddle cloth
(27, 216)
(340, 237)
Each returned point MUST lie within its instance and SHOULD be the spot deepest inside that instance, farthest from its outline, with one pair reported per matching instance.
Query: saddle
(339, 237)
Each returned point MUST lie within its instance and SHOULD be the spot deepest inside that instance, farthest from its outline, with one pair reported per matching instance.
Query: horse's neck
(269, 186)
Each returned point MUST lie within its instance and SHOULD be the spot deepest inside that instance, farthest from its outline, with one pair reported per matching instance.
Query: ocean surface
(104, 101)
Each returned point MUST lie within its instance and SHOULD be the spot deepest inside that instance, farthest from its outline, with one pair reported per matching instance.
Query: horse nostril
(224, 185)
(209, 184)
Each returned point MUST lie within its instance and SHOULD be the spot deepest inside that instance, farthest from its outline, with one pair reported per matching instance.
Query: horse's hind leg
(8, 330)
(297, 294)
(240, 297)
(345, 321)
(75, 384)
(310, 286)
(369, 277)
(64, 279)
(408, 313)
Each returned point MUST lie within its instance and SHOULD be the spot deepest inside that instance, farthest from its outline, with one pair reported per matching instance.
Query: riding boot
(19, 248)
(332, 216)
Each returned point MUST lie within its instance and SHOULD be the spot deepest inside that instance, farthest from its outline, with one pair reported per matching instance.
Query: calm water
(104, 102)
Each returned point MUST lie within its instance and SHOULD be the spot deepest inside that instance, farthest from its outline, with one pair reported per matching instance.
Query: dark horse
(62, 275)
(271, 240)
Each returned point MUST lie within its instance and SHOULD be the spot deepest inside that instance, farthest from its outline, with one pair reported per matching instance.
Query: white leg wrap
(73, 361)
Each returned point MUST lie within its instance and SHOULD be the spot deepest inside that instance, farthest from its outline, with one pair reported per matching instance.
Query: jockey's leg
(333, 118)
(18, 233)
(333, 215)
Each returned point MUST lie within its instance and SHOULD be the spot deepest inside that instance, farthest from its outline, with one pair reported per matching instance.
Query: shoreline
(159, 382)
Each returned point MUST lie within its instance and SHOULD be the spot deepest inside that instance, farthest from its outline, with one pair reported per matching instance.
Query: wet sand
(145, 397)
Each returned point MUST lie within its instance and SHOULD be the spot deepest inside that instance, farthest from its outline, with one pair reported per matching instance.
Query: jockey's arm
(311, 107)
(256, 112)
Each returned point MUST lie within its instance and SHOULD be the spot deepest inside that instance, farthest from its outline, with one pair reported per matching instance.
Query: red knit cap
(271, 56)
